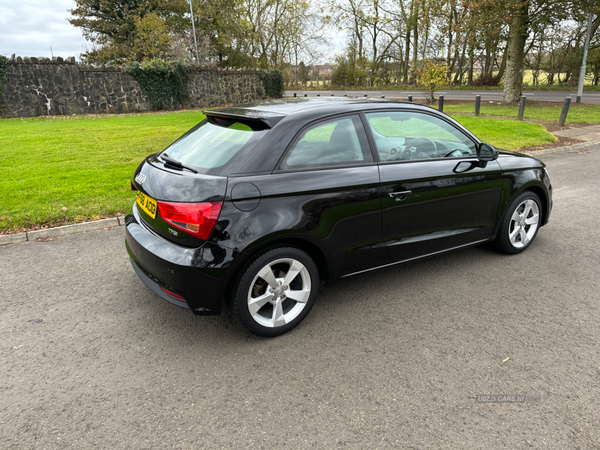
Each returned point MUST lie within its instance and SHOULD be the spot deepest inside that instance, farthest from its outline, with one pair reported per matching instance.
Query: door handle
(399, 196)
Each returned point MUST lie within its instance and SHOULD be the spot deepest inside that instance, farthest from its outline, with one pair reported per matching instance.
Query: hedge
(272, 80)
(162, 81)
(166, 81)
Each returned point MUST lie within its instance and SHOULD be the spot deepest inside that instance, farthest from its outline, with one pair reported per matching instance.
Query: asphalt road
(90, 359)
(591, 97)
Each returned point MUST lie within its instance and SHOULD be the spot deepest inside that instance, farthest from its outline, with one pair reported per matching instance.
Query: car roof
(272, 111)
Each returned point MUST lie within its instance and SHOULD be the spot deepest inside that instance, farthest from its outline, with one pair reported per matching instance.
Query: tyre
(275, 291)
(520, 224)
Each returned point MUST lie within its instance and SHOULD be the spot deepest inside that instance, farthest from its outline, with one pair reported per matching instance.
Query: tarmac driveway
(89, 358)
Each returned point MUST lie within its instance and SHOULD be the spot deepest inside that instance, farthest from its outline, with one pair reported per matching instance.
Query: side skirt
(420, 257)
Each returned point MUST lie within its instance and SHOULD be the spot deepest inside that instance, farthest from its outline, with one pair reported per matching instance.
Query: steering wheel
(423, 142)
(422, 147)
(453, 151)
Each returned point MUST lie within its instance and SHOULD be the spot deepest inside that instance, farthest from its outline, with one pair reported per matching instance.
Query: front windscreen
(213, 144)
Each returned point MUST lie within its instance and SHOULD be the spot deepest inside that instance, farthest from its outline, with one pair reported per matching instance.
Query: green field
(577, 113)
(507, 134)
(70, 169)
(61, 170)
(325, 84)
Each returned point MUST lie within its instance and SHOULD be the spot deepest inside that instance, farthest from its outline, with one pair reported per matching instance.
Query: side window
(408, 135)
(334, 142)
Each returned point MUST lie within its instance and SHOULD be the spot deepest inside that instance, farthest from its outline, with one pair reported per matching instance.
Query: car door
(435, 194)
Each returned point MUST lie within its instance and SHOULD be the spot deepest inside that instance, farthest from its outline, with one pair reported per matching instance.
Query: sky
(30, 27)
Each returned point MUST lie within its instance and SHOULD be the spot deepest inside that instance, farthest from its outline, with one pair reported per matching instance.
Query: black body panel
(443, 209)
(174, 185)
(521, 172)
(338, 210)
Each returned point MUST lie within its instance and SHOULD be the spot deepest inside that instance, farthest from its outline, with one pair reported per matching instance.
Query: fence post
(410, 98)
(441, 103)
(477, 104)
(522, 107)
(565, 111)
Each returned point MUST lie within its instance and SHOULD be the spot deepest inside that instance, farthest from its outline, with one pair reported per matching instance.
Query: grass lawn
(577, 113)
(506, 134)
(71, 169)
(66, 169)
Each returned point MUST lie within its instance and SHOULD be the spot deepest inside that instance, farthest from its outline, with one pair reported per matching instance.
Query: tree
(349, 16)
(218, 26)
(528, 15)
(151, 39)
(593, 62)
(433, 77)
(302, 73)
(515, 52)
(117, 27)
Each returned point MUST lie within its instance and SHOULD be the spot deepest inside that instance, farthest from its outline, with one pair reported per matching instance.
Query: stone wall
(40, 86)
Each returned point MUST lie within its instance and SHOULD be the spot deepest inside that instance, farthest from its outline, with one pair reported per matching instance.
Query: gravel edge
(62, 230)
(564, 149)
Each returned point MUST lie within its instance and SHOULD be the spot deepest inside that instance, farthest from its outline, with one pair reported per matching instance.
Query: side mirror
(485, 152)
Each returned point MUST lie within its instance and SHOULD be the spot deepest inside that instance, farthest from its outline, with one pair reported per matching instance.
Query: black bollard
(441, 103)
(565, 111)
(410, 98)
(522, 107)
(477, 104)
(294, 95)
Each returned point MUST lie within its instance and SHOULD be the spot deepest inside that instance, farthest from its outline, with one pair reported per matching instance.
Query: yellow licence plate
(147, 204)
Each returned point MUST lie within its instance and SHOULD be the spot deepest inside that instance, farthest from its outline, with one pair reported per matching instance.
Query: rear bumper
(199, 275)
(155, 287)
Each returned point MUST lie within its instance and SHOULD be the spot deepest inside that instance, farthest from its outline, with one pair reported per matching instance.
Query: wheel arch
(308, 247)
(541, 193)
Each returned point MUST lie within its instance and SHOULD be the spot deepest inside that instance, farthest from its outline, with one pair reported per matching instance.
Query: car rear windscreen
(213, 143)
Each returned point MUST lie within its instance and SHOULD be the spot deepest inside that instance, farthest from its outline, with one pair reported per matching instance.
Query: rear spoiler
(257, 120)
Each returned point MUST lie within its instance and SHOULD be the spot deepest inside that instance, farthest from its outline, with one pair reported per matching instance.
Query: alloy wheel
(524, 223)
(279, 292)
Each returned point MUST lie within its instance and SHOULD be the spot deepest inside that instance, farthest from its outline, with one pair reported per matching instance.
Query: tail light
(197, 219)
(133, 188)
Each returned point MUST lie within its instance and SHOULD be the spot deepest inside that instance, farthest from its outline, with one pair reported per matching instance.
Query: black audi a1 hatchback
(261, 204)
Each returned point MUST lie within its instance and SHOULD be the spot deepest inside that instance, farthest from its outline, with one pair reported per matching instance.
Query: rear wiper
(173, 162)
